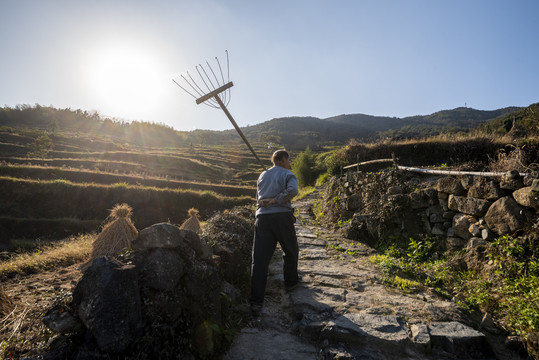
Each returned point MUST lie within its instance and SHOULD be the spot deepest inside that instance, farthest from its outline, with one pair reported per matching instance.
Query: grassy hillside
(293, 132)
(54, 184)
(523, 122)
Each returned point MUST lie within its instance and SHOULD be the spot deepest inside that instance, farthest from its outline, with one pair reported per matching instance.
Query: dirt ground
(22, 331)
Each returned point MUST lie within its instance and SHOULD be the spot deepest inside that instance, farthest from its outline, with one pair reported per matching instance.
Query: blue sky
(287, 57)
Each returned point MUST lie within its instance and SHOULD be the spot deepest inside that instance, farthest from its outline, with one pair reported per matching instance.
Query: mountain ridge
(294, 132)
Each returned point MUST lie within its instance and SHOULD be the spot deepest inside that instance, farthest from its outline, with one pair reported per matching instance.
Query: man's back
(277, 183)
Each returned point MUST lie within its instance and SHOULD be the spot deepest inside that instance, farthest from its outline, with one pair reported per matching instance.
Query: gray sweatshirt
(277, 183)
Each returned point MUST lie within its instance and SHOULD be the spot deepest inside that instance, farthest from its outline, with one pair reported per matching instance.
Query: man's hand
(267, 202)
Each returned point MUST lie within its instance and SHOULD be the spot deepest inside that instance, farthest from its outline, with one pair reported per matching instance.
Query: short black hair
(279, 155)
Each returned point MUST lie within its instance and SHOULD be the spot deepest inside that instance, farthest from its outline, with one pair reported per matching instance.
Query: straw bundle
(192, 223)
(5, 303)
(116, 235)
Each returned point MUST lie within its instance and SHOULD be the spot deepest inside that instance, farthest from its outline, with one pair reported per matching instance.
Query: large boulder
(483, 189)
(108, 303)
(466, 205)
(450, 185)
(165, 235)
(160, 268)
(505, 216)
(526, 196)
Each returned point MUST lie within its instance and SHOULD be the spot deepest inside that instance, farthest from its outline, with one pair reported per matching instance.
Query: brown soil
(22, 331)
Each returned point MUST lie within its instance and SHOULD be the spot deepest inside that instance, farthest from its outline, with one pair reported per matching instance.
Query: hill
(522, 121)
(298, 132)
(293, 132)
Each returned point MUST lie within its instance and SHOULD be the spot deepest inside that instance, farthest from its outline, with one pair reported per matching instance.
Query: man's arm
(287, 194)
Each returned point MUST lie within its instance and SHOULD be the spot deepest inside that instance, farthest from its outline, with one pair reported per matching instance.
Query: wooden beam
(212, 94)
(368, 162)
(218, 99)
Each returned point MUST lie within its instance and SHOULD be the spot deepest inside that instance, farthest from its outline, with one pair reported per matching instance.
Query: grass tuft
(62, 253)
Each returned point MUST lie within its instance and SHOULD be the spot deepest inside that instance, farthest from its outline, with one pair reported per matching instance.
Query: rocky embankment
(460, 212)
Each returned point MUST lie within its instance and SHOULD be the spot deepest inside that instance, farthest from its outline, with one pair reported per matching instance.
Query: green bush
(304, 168)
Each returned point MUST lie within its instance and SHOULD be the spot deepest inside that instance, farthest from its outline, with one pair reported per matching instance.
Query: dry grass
(116, 235)
(61, 254)
(6, 306)
(509, 160)
(192, 223)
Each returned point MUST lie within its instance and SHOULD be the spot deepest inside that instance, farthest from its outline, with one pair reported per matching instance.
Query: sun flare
(125, 80)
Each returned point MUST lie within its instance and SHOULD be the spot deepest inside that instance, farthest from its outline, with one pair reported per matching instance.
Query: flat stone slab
(267, 344)
(459, 339)
(368, 329)
(303, 232)
(314, 241)
(313, 253)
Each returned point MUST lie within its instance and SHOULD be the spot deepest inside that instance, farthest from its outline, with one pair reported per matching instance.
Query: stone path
(342, 310)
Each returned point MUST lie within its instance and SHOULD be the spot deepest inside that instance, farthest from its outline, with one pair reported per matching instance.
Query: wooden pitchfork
(218, 96)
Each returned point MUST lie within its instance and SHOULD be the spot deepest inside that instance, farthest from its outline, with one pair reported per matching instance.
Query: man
(274, 223)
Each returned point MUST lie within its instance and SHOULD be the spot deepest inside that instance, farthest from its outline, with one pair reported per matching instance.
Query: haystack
(5, 303)
(192, 223)
(116, 235)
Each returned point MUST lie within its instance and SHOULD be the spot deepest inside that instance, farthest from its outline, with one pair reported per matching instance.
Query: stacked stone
(485, 208)
(464, 210)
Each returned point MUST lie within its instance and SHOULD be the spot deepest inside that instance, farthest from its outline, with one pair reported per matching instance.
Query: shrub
(304, 168)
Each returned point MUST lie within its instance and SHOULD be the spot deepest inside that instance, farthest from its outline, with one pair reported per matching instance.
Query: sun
(125, 80)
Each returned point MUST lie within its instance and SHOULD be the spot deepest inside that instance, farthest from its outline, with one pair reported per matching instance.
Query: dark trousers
(270, 229)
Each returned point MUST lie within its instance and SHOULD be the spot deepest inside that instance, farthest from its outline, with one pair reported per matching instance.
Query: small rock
(61, 320)
(512, 174)
(474, 230)
(467, 181)
(436, 218)
(438, 230)
(443, 195)
(487, 235)
(461, 224)
(448, 215)
(475, 242)
(511, 184)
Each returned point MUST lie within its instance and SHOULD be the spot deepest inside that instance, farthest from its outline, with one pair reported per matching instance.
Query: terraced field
(70, 188)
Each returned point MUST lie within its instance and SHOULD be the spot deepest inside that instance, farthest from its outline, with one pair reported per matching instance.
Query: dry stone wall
(459, 211)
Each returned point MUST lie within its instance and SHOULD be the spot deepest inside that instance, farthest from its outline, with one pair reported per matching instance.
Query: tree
(507, 124)
(304, 168)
